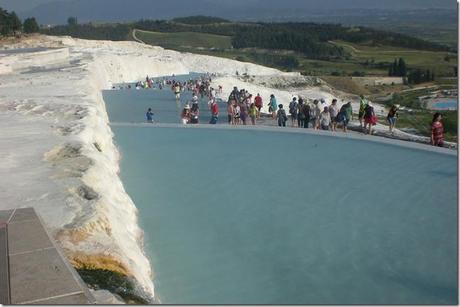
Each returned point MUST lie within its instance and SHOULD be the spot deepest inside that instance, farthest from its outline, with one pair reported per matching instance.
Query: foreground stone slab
(38, 272)
(4, 274)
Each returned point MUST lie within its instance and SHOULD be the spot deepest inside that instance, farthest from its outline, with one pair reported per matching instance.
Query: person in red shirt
(437, 131)
(214, 112)
(259, 104)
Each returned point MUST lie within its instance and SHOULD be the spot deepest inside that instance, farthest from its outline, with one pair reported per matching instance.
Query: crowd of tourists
(244, 108)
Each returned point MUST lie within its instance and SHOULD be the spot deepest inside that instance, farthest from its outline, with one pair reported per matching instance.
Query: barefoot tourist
(149, 115)
(392, 117)
(214, 112)
(325, 119)
(293, 109)
(253, 113)
(362, 108)
(300, 114)
(333, 111)
(281, 116)
(273, 106)
(259, 104)
(437, 131)
(195, 114)
(185, 116)
(370, 120)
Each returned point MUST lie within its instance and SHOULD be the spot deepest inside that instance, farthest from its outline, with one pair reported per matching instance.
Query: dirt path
(137, 39)
(370, 51)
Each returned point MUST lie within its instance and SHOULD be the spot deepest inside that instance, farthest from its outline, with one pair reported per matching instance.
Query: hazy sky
(22, 5)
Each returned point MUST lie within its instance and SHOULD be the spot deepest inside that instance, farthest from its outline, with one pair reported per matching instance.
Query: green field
(338, 68)
(185, 40)
(362, 60)
(434, 61)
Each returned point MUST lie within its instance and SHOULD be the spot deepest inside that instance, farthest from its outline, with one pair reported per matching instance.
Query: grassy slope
(190, 41)
(433, 61)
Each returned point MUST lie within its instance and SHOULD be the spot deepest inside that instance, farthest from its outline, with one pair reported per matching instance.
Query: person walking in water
(214, 112)
(236, 113)
(244, 113)
(259, 104)
(282, 117)
(273, 106)
(306, 110)
(293, 111)
(325, 119)
(149, 115)
(392, 117)
(195, 114)
(230, 112)
(316, 114)
(300, 114)
(177, 91)
(185, 116)
(362, 108)
(253, 113)
(437, 131)
(345, 116)
(369, 118)
(334, 110)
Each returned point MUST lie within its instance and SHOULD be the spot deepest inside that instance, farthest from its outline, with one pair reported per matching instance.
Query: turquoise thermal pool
(261, 216)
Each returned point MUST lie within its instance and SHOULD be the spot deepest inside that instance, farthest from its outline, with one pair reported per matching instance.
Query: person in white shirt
(334, 111)
(325, 119)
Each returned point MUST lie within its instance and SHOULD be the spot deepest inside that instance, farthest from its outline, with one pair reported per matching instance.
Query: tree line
(417, 76)
(10, 24)
(398, 69)
(411, 76)
(313, 40)
(114, 32)
(310, 39)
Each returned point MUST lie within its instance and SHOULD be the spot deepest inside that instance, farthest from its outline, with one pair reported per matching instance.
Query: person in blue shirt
(273, 107)
(149, 115)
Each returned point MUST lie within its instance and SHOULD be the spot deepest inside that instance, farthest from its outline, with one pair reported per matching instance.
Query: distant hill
(427, 19)
(255, 10)
(313, 48)
(311, 39)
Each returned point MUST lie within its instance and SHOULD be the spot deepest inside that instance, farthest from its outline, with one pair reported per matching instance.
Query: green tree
(5, 22)
(72, 21)
(15, 22)
(31, 25)
(395, 68)
(402, 68)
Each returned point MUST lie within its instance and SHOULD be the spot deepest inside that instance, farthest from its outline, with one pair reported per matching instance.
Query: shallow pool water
(264, 217)
(130, 105)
